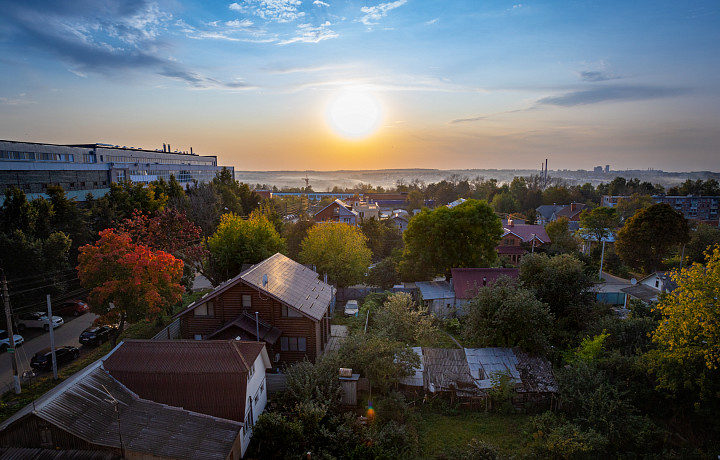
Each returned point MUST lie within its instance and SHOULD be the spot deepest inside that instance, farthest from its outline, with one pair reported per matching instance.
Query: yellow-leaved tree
(687, 357)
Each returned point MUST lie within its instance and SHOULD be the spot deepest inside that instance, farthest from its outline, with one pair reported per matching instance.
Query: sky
(328, 84)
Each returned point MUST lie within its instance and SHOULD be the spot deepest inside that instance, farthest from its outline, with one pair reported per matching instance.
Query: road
(36, 340)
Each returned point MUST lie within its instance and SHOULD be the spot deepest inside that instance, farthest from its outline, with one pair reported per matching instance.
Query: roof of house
(246, 323)
(571, 210)
(22, 453)
(547, 210)
(666, 282)
(457, 202)
(469, 371)
(343, 209)
(283, 279)
(432, 290)
(509, 250)
(466, 281)
(642, 292)
(526, 232)
(183, 356)
(82, 406)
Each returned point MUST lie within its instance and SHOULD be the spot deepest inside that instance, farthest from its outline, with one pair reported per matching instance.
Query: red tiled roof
(466, 281)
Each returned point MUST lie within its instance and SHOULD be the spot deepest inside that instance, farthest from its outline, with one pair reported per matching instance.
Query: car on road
(351, 308)
(96, 335)
(43, 359)
(5, 340)
(38, 320)
(71, 307)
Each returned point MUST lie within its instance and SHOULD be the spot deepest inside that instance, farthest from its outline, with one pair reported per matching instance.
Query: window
(290, 312)
(197, 337)
(247, 301)
(205, 309)
(251, 371)
(293, 344)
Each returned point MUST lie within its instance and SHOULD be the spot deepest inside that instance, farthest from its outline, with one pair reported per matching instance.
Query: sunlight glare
(354, 114)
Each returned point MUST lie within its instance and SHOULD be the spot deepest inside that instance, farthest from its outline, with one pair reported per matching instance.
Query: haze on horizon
(332, 85)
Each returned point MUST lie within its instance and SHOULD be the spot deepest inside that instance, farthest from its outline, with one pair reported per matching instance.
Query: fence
(171, 332)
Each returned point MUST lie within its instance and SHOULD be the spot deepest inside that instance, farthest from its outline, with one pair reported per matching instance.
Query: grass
(440, 431)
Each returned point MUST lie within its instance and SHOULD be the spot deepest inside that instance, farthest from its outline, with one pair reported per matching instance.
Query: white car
(5, 340)
(38, 320)
(351, 308)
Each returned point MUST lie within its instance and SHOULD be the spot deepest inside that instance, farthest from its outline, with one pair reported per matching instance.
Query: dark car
(43, 359)
(96, 335)
(71, 307)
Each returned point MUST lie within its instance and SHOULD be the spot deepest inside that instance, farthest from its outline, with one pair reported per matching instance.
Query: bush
(307, 382)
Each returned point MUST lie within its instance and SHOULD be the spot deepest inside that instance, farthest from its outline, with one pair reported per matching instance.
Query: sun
(354, 114)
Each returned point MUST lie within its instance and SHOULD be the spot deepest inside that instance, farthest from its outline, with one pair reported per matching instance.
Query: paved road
(36, 340)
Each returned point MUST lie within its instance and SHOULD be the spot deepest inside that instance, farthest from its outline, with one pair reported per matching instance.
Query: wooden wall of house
(34, 432)
(228, 306)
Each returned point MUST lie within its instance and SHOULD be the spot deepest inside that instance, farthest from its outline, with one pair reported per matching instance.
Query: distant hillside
(322, 181)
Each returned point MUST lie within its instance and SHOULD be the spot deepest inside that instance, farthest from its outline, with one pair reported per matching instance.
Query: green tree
(562, 240)
(600, 223)
(385, 274)
(647, 237)
(687, 357)
(239, 241)
(505, 315)
(627, 207)
(402, 320)
(294, 234)
(235, 197)
(505, 203)
(339, 250)
(415, 200)
(382, 237)
(464, 236)
(702, 238)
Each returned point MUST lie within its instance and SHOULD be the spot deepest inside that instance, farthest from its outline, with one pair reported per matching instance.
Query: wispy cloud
(596, 75)
(611, 93)
(489, 116)
(373, 14)
(271, 10)
(321, 3)
(115, 39)
(307, 33)
(20, 99)
(431, 22)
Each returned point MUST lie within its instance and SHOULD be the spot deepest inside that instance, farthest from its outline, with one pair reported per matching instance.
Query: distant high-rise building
(90, 168)
(598, 169)
(607, 168)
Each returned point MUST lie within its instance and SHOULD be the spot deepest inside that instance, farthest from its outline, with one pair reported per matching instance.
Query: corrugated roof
(182, 356)
(642, 292)
(447, 368)
(416, 380)
(287, 281)
(291, 283)
(467, 281)
(247, 324)
(81, 406)
(20, 453)
(432, 290)
(484, 362)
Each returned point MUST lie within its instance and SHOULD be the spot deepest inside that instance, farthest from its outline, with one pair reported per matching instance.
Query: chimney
(510, 222)
(573, 205)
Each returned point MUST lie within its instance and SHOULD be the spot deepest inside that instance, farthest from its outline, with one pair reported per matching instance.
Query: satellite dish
(633, 281)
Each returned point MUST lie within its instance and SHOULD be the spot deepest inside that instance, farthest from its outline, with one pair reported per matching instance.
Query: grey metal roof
(21, 453)
(642, 292)
(291, 283)
(81, 406)
(287, 281)
(484, 362)
(432, 290)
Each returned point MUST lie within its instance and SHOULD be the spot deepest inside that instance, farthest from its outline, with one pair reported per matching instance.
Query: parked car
(351, 308)
(43, 359)
(5, 340)
(38, 320)
(96, 335)
(71, 307)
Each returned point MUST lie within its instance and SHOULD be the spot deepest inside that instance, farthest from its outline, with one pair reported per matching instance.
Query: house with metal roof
(92, 411)
(277, 301)
(337, 211)
(514, 235)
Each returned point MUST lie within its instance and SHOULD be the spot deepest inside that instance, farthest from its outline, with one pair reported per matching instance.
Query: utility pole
(52, 338)
(11, 334)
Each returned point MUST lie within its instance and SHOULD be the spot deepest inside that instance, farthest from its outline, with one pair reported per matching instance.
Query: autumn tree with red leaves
(140, 282)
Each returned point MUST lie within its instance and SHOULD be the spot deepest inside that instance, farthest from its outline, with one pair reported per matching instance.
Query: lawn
(438, 431)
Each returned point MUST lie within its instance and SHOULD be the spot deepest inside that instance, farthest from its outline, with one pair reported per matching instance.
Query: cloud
(487, 117)
(105, 37)
(321, 3)
(271, 10)
(596, 75)
(238, 24)
(432, 21)
(611, 93)
(518, 6)
(307, 33)
(21, 99)
(373, 14)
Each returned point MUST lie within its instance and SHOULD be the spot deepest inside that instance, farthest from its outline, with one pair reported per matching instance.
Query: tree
(505, 315)
(339, 250)
(294, 234)
(415, 200)
(464, 236)
(400, 319)
(126, 197)
(562, 241)
(701, 239)
(238, 241)
(627, 207)
(385, 274)
(382, 237)
(647, 237)
(129, 282)
(599, 223)
(505, 203)
(688, 334)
